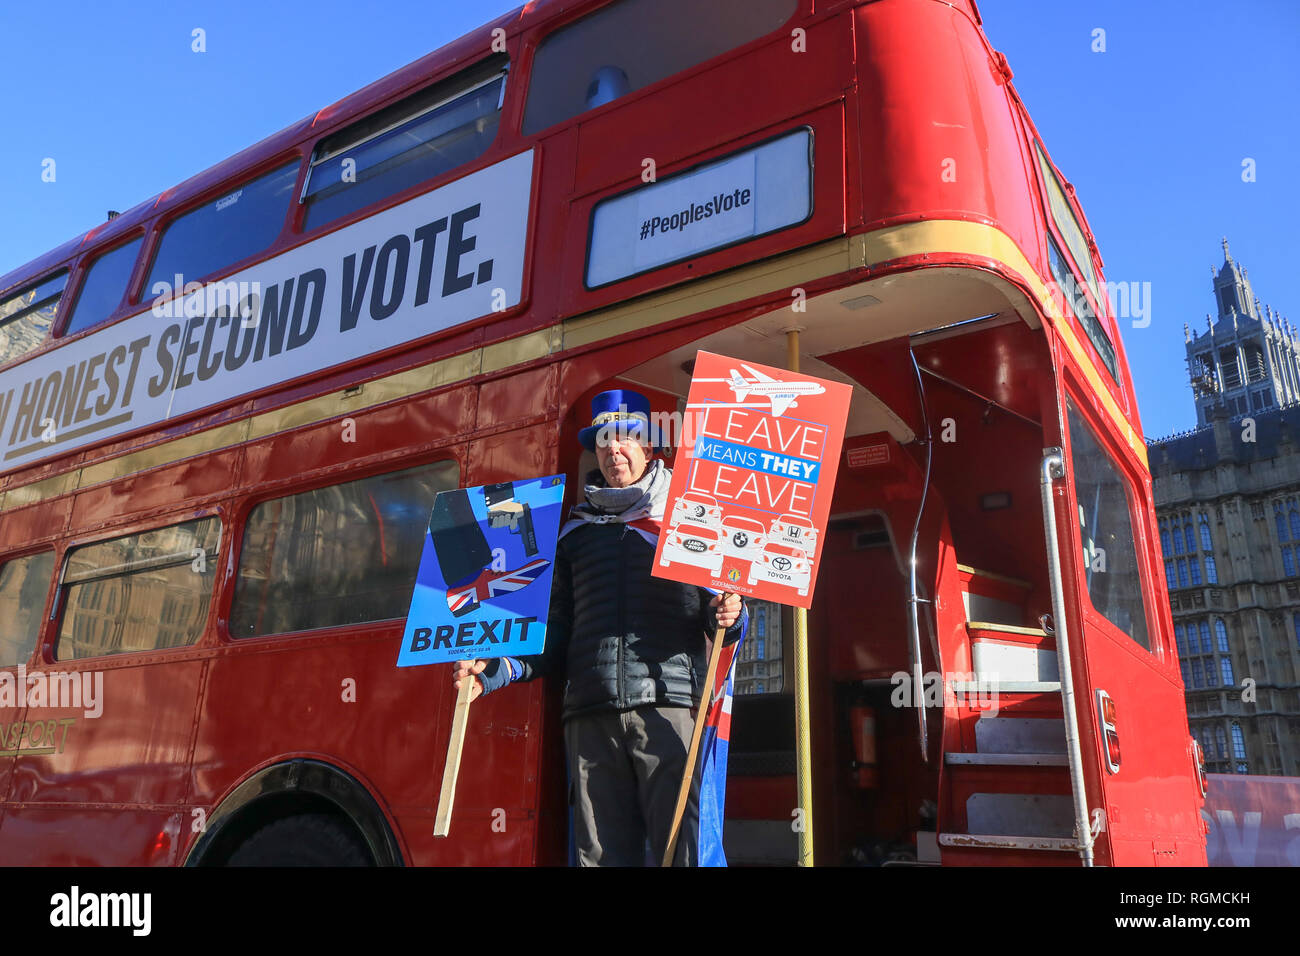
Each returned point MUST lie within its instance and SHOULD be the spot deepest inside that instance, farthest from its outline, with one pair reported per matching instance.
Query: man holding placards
(631, 647)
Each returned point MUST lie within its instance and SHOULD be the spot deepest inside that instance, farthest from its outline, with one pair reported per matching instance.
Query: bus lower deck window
(141, 592)
(24, 583)
(343, 554)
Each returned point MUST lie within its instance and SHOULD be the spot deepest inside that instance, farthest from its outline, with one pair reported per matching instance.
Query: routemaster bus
(225, 413)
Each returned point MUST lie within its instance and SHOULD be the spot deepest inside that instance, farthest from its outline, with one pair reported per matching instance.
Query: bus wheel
(310, 839)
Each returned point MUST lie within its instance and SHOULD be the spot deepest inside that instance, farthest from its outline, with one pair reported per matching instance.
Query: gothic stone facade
(1228, 500)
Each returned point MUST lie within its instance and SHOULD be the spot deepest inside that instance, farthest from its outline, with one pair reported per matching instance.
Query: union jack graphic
(489, 584)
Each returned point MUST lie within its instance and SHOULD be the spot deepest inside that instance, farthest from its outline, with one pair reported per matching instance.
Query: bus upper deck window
(233, 226)
(103, 287)
(631, 44)
(608, 83)
(27, 316)
(421, 137)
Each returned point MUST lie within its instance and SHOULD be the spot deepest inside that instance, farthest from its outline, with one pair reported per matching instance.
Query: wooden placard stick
(450, 770)
(706, 699)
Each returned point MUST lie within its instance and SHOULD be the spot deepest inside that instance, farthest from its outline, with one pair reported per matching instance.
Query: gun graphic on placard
(504, 512)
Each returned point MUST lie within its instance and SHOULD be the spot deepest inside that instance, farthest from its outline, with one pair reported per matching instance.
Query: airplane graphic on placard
(781, 395)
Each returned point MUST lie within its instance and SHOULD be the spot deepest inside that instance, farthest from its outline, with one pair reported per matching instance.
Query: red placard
(752, 482)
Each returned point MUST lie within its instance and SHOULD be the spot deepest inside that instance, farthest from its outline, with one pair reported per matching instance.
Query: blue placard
(484, 585)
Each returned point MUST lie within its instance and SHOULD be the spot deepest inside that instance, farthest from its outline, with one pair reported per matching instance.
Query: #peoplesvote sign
(752, 483)
(484, 584)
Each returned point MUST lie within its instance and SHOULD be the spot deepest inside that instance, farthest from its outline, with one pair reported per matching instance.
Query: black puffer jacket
(620, 637)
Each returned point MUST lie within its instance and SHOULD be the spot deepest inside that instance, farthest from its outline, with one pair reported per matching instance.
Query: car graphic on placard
(697, 507)
(782, 564)
(742, 537)
(795, 531)
(690, 543)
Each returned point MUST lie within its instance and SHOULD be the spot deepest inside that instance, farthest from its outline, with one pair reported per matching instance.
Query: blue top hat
(623, 412)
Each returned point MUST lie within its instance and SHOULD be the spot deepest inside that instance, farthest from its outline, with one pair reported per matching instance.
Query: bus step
(1021, 814)
(1005, 760)
(988, 596)
(989, 841)
(1002, 652)
(1020, 735)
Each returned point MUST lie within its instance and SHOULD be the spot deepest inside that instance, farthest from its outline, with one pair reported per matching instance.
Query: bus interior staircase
(1006, 794)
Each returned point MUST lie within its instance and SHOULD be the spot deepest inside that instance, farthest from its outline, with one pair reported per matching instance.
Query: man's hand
(727, 612)
(462, 671)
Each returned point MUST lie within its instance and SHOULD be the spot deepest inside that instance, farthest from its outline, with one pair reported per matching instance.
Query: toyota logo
(781, 564)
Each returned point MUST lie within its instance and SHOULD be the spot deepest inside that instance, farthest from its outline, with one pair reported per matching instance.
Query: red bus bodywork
(929, 209)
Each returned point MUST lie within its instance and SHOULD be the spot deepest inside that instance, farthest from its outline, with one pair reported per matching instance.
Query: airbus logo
(780, 395)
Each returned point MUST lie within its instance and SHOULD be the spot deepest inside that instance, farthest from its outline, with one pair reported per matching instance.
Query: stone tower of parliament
(1248, 359)
(1227, 498)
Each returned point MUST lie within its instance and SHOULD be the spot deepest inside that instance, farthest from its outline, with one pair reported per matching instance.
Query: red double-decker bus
(224, 415)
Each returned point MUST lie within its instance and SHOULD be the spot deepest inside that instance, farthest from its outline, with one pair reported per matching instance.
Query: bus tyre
(310, 839)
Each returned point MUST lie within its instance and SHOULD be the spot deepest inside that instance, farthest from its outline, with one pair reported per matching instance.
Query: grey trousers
(625, 769)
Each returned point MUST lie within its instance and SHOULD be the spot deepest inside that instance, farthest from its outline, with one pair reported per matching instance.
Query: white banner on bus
(438, 260)
(740, 197)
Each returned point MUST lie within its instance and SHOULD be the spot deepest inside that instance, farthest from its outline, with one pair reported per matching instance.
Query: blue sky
(1152, 132)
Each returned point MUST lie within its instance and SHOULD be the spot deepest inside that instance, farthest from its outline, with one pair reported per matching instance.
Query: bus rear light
(1198, 761)
(1107, 720)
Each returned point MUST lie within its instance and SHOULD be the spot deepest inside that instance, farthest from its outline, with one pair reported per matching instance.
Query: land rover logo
(740, 539)
(781, 564)
(694, 544)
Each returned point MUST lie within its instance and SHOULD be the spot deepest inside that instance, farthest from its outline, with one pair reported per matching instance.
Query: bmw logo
(740, 539)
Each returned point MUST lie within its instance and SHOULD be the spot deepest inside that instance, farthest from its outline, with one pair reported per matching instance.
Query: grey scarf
(645, 498)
